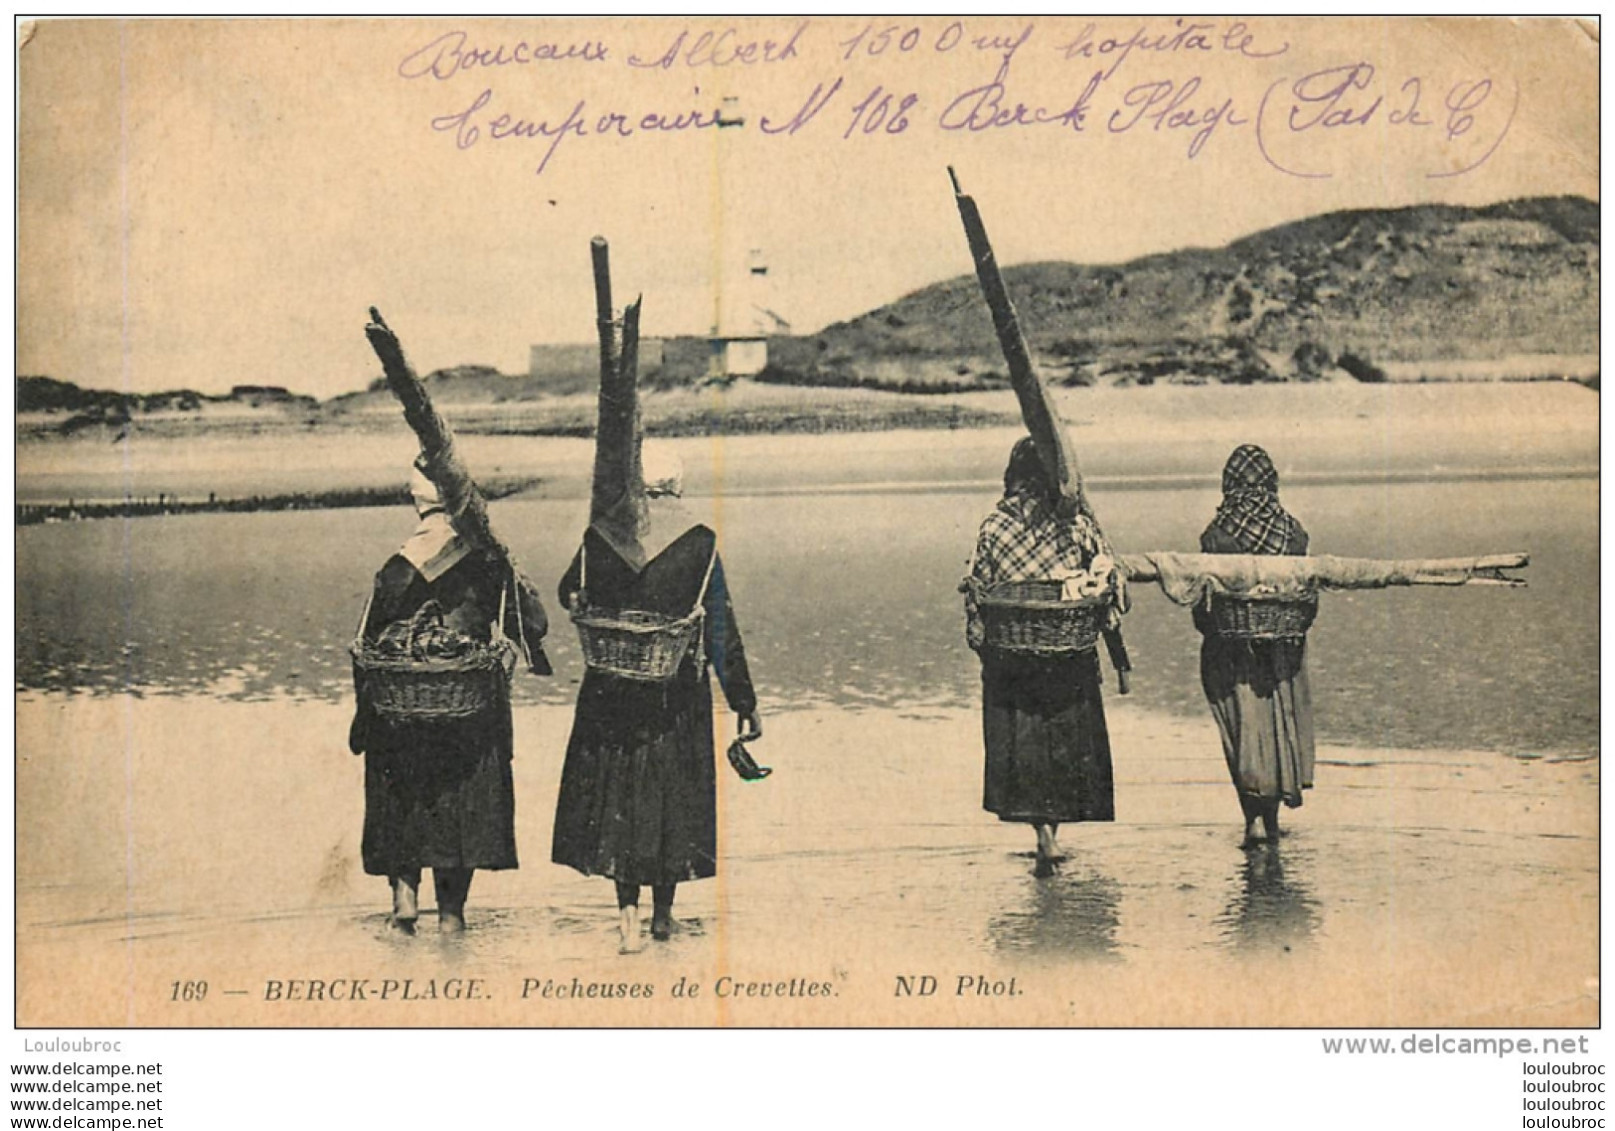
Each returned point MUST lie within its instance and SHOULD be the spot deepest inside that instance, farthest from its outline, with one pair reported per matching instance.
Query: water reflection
(1271, 909)
(1070, 914)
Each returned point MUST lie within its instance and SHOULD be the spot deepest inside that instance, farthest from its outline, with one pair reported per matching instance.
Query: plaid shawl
(1025, 540)
(1250, 513)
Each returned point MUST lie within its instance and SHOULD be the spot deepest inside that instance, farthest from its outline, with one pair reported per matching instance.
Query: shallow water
(192, 838)
(850, 599)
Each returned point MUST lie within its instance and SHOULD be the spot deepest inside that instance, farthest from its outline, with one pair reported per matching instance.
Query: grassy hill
(1353, 290)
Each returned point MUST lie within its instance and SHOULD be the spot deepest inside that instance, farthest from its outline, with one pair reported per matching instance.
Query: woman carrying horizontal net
(1257, 688)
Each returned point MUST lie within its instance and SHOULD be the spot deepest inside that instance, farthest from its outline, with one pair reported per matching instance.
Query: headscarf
(434, 548)
(1030, 536)
(1025, 473)
(1045, 536)
(1250, 512)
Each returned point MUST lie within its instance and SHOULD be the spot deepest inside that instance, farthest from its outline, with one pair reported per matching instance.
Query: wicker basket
(1263, 618)
(635, 645)
(632, 643)
(402, 689)
(1029, 617)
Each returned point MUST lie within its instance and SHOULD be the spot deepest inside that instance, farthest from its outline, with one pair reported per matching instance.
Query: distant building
(746, 318)
(736, 347)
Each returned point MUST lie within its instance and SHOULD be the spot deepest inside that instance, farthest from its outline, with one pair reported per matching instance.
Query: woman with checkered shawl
(1043, 717)
(1257, 689)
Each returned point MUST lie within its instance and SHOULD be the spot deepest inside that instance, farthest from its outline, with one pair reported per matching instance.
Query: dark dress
(638, 798)
(439, 795)
(1043, 717)
(1048, 750)
(1260, 696)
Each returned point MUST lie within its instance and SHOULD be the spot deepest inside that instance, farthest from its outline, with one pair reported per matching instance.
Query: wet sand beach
(188, 812)
(220, 844)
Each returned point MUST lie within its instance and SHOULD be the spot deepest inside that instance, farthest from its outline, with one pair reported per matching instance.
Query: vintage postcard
(981, 521)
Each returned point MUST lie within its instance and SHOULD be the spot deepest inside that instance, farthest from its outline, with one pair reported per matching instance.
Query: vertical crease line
(128, 593)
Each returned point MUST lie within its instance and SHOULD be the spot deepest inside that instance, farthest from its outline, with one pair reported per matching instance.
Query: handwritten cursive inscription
(1205, 37)
(726, 48)
(471, 125)
(814, 103)
(987, 108)
(449, 54)
(1349, 98)
(1166, 105)
(1192, 83)
(876, 40)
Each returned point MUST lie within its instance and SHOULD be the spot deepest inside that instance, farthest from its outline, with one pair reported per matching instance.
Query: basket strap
(499, 621)
(521, 633)
(364, 617)
(583, 568)
(701, 597)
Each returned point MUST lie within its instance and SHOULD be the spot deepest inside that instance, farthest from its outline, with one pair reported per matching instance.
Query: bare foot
(1270, 824)
(628, 927)
(450, 922)
(406, 907)
(1045, 841)
(1048, 851)
(1252, 837)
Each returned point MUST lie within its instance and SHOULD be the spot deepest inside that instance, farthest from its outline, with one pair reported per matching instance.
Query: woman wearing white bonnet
(439, 794)
(662, 471)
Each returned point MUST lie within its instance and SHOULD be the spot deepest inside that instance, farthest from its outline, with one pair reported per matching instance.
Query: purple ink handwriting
(1470, 123)
(989, 107)
(725, 48)
(1168, 105)
(1205, 37)
(1191, 84)
(477, 123)
(877, 40)
(451, 53)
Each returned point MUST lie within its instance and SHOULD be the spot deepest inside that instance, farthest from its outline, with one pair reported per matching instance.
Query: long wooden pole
(467, 508)
(604, 323)
(1037, 408)
(617, 495)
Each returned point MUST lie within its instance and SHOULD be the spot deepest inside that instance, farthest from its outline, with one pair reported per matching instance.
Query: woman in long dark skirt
(1043, 717)
(1257, 689)
(638, 800)
(438, 794)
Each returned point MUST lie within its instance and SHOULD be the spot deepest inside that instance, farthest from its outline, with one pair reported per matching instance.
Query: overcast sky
(204, 205)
